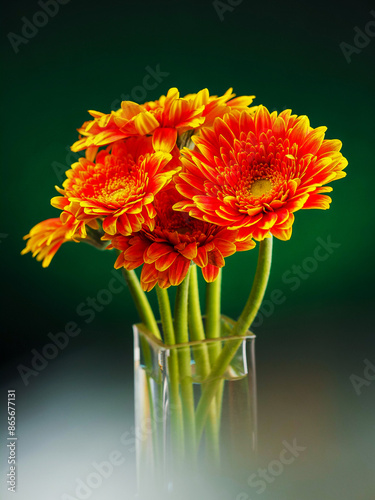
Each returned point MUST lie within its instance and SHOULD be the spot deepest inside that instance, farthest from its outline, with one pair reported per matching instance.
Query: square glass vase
(195, 407)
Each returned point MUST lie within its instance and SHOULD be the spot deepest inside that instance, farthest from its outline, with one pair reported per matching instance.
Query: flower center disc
(260, 187)
(119, 193)
(111, 193)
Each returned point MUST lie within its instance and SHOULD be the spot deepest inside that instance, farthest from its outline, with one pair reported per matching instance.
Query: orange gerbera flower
(252, 172)
(164, 118)
(118, 187)
(177, 240)
(47, 237)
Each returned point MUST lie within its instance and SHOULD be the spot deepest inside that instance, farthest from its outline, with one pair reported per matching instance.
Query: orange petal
(282, 234)
(202, 257)
(164, 139)
(178, 271)
(210, 273)
(189, 251)
(163, 263)
(157, 250)
(145, 123)
(216, 258)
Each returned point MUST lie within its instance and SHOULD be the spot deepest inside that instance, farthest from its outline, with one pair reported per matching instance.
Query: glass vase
(195, 408)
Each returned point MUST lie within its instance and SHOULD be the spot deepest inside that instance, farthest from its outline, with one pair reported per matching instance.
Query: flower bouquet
(176, 186)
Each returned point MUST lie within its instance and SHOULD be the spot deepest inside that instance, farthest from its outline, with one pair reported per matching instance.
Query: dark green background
(289, 56)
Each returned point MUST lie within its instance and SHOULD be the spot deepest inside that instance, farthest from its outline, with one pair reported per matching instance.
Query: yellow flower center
(260, 187)
(120, 194)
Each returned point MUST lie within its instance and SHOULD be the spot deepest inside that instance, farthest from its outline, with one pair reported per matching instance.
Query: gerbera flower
(165, 118)
(252, 172)
(176, 241)
(118, 187)
(46, 238)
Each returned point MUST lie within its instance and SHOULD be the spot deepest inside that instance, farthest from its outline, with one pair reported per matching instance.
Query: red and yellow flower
(118, 187)
(165, 118)
(47, 237)
(177, 240)
(250, 173)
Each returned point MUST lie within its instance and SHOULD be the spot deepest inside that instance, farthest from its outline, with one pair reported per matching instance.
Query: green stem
(213, 436)
(213, 296)
(181, 311)
(175, 407)
(213, 323)
(184, 363)
(187, 399)
(258, 289)
(250, 311)
(195, 315)
(212, 386)
(141, 302)
(213, 311)
(202, 362)
(175, 401)
(166, 315)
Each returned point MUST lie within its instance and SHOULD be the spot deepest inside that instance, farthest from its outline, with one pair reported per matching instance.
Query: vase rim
(160, 344)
